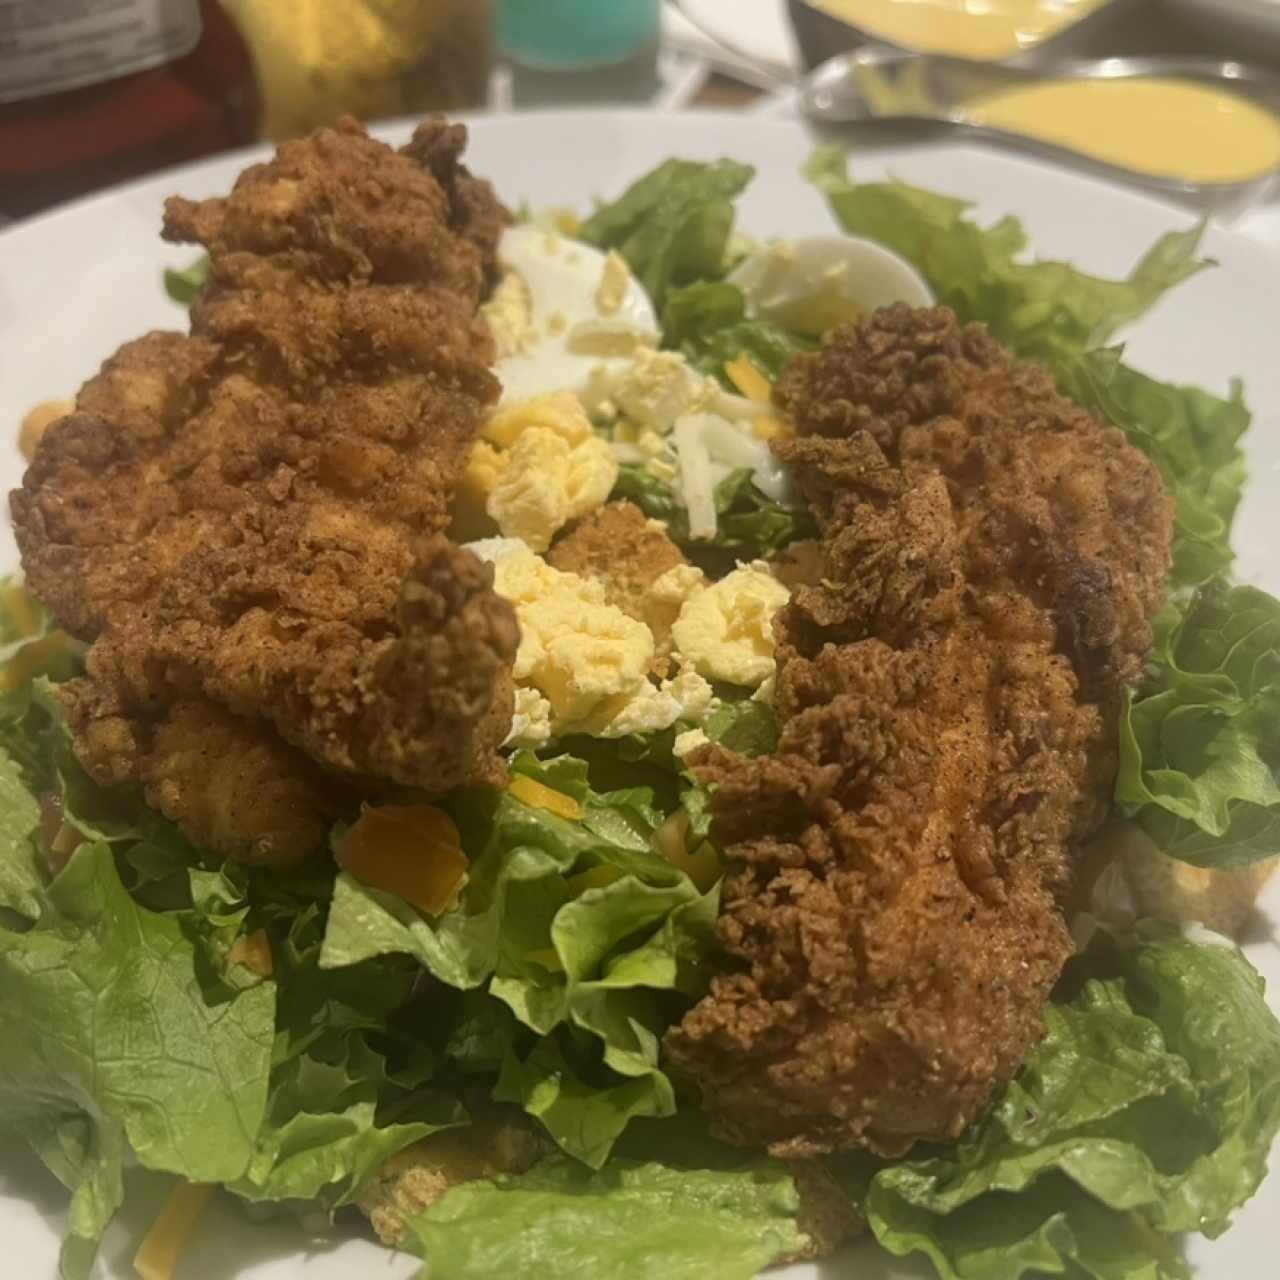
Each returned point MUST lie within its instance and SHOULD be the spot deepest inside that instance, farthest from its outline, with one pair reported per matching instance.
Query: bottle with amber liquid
(96, 91)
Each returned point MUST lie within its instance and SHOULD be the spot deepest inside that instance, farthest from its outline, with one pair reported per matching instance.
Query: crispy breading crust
(948, 693)
(247, 522)
(621, 547)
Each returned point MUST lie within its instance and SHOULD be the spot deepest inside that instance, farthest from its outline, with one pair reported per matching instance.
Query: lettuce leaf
(748, 524)
(347, 1081)
(747, 726)
(632, 1221)
(23, 871)
(591, 942)
(183, 285)
(1200, 741)
(1148, 1110)
(707, 323)
(1041, 309)
(672, 225)
(117, 1047)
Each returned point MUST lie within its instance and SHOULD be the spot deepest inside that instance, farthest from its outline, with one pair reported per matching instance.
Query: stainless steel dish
(1112, 27)
(879, 85)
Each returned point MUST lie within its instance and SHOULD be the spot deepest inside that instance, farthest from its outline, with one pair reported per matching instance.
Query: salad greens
(284, 1032)
(1200, 742)
(707, 323)
(673, 225)
(636, 1219)
(1047, 311)
(748, 523)
(587, 936)
(1147, 1111)
(118, 1047)
(183, 285)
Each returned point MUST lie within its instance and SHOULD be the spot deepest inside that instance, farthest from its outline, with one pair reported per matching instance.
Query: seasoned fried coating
(621, 547)
(246, 522)
(948, 691)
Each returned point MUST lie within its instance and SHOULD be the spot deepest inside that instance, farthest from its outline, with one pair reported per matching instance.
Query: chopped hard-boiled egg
(583, 664)
(561, 310)
(809, 285)
(686, 429)
(530, 719)
(578, 651)
(539, 466)
(726, 631)
(689, 741)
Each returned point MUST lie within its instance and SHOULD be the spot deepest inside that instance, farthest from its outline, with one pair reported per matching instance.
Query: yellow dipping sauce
(984, 29)
(1169, 128)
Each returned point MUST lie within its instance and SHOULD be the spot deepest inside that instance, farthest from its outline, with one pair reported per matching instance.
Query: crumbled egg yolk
(509, 314)
(666, 596)
(726, 630)
(615, 277)
(657, 387)
(583, 664)
(577, 650)
(539, 466)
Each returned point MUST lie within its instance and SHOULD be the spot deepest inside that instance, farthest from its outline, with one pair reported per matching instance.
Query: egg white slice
(572, 326)
(809, 285)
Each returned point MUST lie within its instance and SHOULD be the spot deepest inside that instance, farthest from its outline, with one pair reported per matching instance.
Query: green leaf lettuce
(672, 225)
(1148, 1110)
(1200, 740)
(641, 1221)
(116, 1047)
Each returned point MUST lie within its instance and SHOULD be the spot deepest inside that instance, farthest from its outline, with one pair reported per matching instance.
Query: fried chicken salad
(619, 750)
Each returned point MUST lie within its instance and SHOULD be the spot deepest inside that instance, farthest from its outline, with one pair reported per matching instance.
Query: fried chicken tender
(247, 522)
(948, 691)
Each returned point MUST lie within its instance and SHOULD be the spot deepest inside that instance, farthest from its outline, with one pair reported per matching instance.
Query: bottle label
(47, 46)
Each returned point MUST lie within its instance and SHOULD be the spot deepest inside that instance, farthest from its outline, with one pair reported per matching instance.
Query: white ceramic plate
(75, 284)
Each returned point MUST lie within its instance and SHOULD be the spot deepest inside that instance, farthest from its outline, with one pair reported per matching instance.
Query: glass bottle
(96, 91)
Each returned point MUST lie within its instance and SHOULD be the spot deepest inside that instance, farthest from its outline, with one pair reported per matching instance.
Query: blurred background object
(317, 60)
(560, 35)
(96, 91)
(577, 51)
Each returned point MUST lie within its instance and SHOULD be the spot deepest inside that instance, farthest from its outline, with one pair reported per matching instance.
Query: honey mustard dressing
(1165, 127)
(982, 29)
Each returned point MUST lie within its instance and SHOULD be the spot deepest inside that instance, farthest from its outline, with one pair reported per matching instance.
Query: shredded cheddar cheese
(744, 375)
(413, 851)
(536, 796)
(743, 372)
(158, 1255)
(253, 950)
